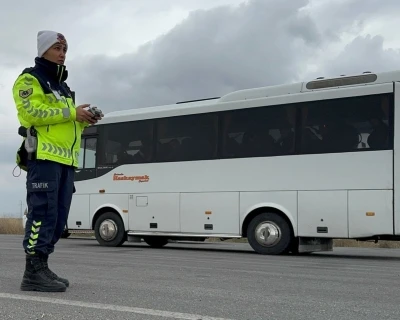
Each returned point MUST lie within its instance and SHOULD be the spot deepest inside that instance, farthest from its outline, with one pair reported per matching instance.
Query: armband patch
(25, 93)
(66, 113)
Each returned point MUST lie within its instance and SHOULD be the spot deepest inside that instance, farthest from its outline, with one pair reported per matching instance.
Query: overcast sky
(128, 54)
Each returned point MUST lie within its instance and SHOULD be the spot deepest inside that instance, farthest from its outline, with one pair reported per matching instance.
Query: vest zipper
(72, 147)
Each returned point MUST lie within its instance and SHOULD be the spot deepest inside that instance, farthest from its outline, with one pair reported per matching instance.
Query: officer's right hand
(83, 115)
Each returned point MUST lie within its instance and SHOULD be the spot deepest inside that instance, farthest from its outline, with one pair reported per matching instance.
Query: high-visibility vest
(49, 108)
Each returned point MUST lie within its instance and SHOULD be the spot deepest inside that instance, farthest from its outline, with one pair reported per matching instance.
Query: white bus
(288, 167)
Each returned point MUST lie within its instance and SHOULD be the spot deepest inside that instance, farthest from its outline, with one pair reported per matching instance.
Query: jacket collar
(55, 71)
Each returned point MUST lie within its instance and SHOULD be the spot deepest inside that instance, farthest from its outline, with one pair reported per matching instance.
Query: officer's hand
(83, 115)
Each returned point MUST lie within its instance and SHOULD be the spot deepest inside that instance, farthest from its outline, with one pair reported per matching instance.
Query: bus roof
(208, 105)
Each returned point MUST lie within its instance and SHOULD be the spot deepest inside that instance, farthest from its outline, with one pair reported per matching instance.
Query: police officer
(46, 108)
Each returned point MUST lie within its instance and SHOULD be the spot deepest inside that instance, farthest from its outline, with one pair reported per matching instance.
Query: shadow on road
(351, 253)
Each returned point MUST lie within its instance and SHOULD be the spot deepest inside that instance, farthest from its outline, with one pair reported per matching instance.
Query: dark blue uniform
(49, 194)
(50, 186)
(52, 126)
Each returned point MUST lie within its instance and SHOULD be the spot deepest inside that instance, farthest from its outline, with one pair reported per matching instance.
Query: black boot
(51, 273)
(36, 277)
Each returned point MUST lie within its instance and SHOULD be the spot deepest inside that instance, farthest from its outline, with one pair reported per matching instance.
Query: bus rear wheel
(109, 230)
(269, 233)
(156, 241)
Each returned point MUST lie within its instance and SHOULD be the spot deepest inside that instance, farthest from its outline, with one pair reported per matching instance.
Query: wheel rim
(108, 230)
(268, 234)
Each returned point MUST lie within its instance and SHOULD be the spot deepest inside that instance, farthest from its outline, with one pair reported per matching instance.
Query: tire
(156, 241)
(109, 230)
(276, 225)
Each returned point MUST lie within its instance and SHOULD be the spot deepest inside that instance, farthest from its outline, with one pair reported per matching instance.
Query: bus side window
(87, 154)
(90, 153)
(187, 138)
(346, 124)
(258, 132)
(127, 143)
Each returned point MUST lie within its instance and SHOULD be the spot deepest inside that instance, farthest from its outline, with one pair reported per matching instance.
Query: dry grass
(11, 226)
(366, 244)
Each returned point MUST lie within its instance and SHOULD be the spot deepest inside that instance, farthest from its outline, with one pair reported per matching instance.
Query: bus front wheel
(109, 230)
(269, 233)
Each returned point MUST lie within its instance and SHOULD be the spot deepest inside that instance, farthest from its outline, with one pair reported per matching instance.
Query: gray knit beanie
(46, 38)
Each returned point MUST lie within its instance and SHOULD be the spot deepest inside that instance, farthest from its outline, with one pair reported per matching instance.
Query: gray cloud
(216, 51)
(90, 23)
(345, 16)
(360, 55)
(20, 40)
(211, 53)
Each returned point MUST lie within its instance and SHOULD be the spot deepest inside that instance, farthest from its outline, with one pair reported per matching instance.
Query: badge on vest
(25, 93)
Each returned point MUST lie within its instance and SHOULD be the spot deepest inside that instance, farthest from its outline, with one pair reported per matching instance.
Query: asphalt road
(204, 281)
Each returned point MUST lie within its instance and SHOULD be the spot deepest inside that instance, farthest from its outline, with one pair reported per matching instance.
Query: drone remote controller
(95, 111)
